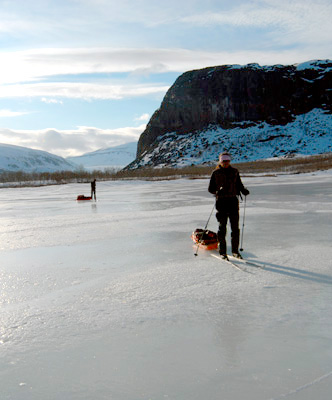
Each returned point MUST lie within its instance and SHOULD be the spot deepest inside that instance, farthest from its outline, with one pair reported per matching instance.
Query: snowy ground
(105, 300)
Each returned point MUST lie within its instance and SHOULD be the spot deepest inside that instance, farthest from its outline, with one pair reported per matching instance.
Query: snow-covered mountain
(17, 158)
(251, 111)
(308, 134)
(113, 157)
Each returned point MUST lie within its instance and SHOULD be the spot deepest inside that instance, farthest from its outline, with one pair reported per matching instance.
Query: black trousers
(228, 208)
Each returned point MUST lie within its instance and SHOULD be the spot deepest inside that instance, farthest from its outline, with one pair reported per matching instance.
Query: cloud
(143, 117)
(9, 113)
(304, 21)
(89, 16)
(57, 73)
(264, 13)
(11, 23)
(245, 15)
(51, 101)
(86, 91)
(47, 73)
(122, 24)
(74, 142)
(40, 64)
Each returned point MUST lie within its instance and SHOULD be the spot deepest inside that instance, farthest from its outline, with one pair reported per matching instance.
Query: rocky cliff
(230, 97)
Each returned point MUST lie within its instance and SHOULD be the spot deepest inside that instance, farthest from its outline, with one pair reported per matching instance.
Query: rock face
(233, 96)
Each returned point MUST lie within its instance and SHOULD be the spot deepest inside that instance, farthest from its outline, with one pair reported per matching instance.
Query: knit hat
(224, 157)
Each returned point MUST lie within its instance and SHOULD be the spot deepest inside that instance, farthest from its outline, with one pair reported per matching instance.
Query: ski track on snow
(303, 387)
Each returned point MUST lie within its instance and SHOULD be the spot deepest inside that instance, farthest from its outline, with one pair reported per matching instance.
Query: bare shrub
(285, 165)
(295, 165)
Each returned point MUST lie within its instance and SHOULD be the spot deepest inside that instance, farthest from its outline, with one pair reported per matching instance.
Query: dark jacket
(226, 182)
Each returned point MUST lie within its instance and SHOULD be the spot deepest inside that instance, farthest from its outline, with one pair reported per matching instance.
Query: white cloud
(51, 101)
(74, 142)
(297, 21)
(87, 91)
(263, 13)
(38, 64)
(30, 76)
(123, 24)
(29, 73)
(143, 117)
(11, 23)
(244, 15)
(9, 113)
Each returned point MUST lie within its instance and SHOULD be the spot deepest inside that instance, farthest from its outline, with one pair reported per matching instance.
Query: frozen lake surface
(105, 300)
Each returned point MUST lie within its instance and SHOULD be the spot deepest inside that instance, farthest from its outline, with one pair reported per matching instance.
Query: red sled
(205, 239)
(82, 197)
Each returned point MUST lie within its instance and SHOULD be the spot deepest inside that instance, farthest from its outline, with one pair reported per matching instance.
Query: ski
(244, 261)
(231, 262)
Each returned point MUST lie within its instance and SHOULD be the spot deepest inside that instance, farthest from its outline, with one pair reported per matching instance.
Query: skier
(93, 189)
(226, 185)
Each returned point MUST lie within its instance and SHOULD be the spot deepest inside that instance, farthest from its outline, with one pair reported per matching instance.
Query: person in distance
(93, 189)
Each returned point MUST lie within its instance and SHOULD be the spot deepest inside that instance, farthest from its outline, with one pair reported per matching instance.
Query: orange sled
(205, 239)
(82, 197)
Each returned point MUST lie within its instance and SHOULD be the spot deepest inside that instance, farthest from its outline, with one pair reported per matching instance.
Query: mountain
(113, 157)
(17, 158)
(252, 111)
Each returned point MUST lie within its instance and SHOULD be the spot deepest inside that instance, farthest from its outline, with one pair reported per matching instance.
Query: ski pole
(205, 229)
(244, 216)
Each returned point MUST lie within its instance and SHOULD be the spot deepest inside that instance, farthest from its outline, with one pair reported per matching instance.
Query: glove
(245, 191)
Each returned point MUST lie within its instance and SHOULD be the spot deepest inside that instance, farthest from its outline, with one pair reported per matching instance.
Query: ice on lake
(105, 300)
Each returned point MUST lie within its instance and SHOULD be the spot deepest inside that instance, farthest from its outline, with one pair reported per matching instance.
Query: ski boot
(237, 255)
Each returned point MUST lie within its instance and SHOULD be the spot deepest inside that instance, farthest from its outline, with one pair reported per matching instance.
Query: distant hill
(112, 157)
(17, 158)
(252, 111)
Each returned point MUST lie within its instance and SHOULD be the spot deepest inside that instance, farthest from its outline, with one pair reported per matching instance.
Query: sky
(80, 75)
